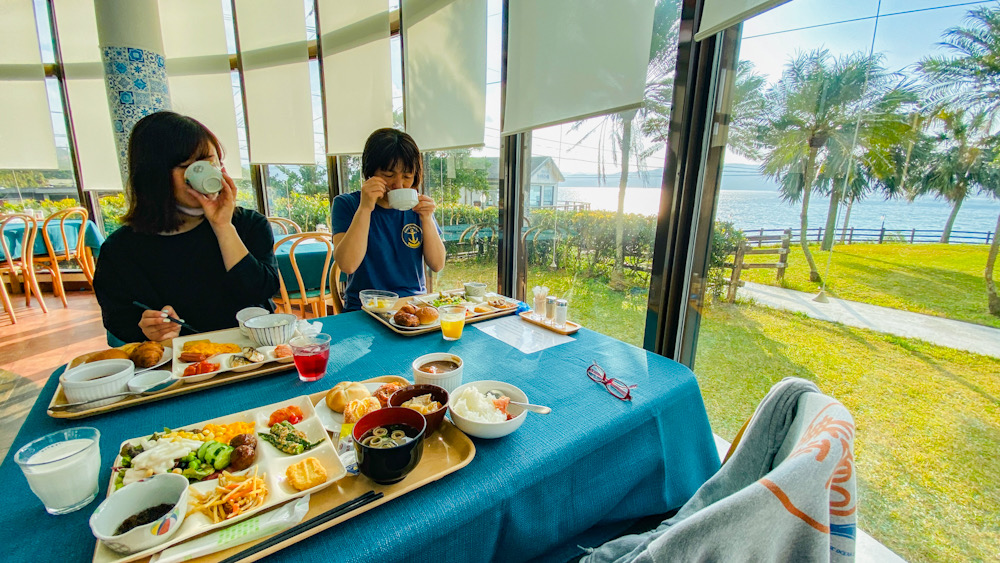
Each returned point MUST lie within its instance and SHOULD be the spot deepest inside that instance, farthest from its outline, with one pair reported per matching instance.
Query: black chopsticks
(349, 506)
(169, 318)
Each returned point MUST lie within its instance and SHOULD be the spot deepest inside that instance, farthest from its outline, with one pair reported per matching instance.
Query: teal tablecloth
(92, 237)
(310, 258)
(575, 477)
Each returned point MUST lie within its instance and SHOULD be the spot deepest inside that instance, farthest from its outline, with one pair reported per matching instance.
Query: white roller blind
(272, 43)
(87, 96)
(444, 70)
(356, 72)
(568, 60)
(26, 138)
(721, 14)
(194, 44)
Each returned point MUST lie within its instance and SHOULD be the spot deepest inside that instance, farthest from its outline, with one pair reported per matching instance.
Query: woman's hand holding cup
(372, 190)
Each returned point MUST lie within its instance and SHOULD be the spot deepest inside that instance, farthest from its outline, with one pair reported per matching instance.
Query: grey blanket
(786, 494)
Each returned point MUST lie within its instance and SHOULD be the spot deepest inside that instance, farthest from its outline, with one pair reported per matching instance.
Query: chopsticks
(349, 506)
(169, 318)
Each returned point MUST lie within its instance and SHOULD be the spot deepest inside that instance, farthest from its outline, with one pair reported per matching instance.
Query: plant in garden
(726, 238)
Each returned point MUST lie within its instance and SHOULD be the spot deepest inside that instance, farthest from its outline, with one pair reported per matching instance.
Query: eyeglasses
(618, 388)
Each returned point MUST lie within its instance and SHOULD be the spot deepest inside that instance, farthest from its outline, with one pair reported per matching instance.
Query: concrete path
(936, 330)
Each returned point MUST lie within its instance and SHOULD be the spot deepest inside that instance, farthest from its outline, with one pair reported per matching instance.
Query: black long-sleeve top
(187, 272)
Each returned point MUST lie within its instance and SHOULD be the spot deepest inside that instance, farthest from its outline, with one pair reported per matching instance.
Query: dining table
(576, 477)
(92, 237)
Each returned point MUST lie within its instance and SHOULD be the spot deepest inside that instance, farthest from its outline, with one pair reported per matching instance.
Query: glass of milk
(62, 468)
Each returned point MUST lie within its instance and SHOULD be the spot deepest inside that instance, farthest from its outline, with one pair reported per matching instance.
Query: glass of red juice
(311, 354)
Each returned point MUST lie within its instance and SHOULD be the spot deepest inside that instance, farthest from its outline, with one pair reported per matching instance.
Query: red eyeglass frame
(616, 387)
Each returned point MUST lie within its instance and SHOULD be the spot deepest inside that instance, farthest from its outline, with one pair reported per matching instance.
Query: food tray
(269, 460)
(385, 318)
(224, 378)
(445, 452)
(227, 336)
(571, 327)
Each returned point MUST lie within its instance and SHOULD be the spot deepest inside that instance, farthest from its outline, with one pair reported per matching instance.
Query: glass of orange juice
(452, 321)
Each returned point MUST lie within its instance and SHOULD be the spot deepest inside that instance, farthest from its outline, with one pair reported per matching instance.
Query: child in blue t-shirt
(377, 246)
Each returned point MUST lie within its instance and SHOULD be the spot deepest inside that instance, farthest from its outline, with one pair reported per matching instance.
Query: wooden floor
(38, 344)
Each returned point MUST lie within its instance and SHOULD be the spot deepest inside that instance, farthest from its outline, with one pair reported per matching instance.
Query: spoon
(150, 391)
(526, 406)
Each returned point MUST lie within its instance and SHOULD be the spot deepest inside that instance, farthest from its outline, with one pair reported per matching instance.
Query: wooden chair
(7, 306)
(315, 298)
(286, 226)
(23, 265)
(339, 290)
(80, 253)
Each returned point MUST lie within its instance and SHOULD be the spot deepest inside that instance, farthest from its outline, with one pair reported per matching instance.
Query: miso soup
(389, 436)
(439, 366)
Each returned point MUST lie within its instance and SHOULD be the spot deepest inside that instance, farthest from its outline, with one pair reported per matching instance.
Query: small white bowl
(271, 330)
(243, 315)
(448, 380)
(490, 429)
(95, 380)
(148, 379)
(166, 488)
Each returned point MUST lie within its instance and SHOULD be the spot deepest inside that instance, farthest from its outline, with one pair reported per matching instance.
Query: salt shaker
(550, 309)
(562, 307)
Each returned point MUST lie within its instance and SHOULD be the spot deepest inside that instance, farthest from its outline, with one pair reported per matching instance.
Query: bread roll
(360, 407)
(147, 354)
(427, 315)
(112, 354)
(403, 318)
(345, 392)
(409, 308)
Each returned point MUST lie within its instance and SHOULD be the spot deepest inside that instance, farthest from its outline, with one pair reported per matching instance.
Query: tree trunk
(946, 234)
(627, 118)
(991, 260)
(831, 219)
(807, 181)
(847, 219)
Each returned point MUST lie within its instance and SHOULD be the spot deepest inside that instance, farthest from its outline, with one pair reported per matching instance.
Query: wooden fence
(755, 244)
(881, 235)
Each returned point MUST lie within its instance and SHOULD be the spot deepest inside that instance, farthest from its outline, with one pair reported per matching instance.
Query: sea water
(64, 475)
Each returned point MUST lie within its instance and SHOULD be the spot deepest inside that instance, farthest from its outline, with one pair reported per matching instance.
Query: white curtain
(572, 59)
(87, 97)
(356, 72)
(272, 43)
(718, 15)
(444, 72)
(194, 45)
(26, 138)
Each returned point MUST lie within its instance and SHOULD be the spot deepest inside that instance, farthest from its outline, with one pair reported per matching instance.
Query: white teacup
(403, 198)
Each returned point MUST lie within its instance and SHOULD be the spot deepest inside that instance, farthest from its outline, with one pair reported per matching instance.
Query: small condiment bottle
(562, 307)
(550, 308)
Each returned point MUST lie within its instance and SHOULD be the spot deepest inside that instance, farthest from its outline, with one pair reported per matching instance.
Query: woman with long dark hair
(185, 254)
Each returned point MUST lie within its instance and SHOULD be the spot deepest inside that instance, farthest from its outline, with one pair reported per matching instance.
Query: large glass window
(590, 215)
(859, 170)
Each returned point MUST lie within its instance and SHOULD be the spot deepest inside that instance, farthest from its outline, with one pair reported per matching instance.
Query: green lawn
(945, 280)
(928, 418)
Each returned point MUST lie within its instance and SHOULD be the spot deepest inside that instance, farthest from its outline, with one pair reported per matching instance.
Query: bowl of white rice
(474, 409)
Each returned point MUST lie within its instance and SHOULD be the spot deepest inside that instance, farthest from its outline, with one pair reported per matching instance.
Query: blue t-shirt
(394, 260)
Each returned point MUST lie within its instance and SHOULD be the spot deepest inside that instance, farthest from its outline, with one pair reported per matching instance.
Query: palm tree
(747, 114)
(970, 78)
(652, 118)
(815, 107)
(961, 164)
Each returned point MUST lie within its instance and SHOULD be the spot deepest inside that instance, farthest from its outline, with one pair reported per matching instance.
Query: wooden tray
(475, 318)
(224, 378)
(446, 451)
(571, 327)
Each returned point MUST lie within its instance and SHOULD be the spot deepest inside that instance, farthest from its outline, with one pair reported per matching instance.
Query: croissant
(147, 354)
(360, 407)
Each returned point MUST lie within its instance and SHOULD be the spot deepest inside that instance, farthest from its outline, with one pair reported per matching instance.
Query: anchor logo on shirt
(412, 235)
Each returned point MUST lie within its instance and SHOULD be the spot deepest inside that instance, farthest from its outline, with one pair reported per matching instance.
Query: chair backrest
(24, 249)
(338, 288)
(62, 216)
(286, 226)
(296, 240)
(790, 481)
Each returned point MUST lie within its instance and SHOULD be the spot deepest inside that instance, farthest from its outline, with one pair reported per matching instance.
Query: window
(839, 184)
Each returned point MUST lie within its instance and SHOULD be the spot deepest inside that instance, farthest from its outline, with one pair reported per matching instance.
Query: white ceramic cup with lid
(403, 198)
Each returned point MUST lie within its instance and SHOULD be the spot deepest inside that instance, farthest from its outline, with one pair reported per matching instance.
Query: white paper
(521, 334)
